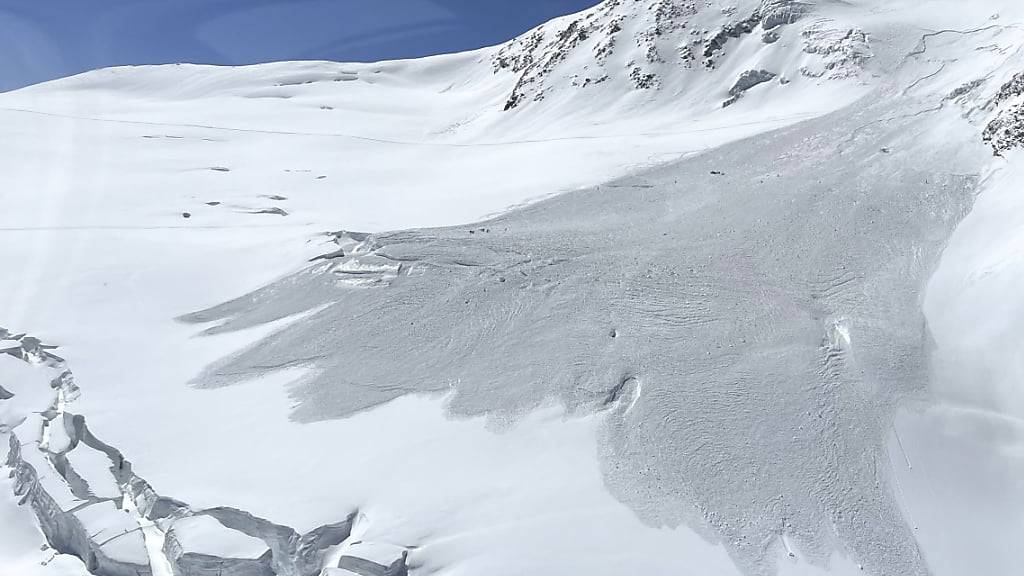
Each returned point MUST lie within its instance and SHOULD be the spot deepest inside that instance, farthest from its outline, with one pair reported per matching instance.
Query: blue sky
(46, 39)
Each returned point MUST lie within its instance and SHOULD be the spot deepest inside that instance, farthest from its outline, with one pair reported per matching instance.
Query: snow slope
(459, 451)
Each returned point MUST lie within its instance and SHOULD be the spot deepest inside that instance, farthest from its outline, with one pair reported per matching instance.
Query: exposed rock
(965, 89)
(643, 80)
(745, 82)
(641, 43)
(721, 38)
(1011, 90)
(775, 13)
(749, 79)
(1005, 131)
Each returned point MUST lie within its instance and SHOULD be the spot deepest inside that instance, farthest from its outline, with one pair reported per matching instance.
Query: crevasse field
(662, 287)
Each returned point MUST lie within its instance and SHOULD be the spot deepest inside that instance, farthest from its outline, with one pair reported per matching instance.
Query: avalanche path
(749, 318)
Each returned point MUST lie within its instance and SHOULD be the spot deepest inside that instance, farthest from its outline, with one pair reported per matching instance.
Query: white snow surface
(30, 387)
(205, 535)
(96, 172)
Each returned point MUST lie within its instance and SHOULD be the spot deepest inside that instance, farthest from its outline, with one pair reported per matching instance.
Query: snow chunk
(205, 535)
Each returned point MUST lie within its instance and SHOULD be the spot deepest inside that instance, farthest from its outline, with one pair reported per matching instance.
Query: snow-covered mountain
(679, 46)
(664, 286)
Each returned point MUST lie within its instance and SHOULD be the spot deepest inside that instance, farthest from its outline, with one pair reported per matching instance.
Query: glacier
(660, 287)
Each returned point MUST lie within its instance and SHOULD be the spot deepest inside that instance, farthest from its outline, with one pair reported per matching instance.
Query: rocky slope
(668, 44)
(1006, 129)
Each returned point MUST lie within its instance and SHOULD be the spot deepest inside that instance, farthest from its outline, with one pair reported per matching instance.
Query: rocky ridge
(1005, 131)
(645, 44)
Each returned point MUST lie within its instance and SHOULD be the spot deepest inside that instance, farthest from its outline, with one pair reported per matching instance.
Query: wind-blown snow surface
(693, 368)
